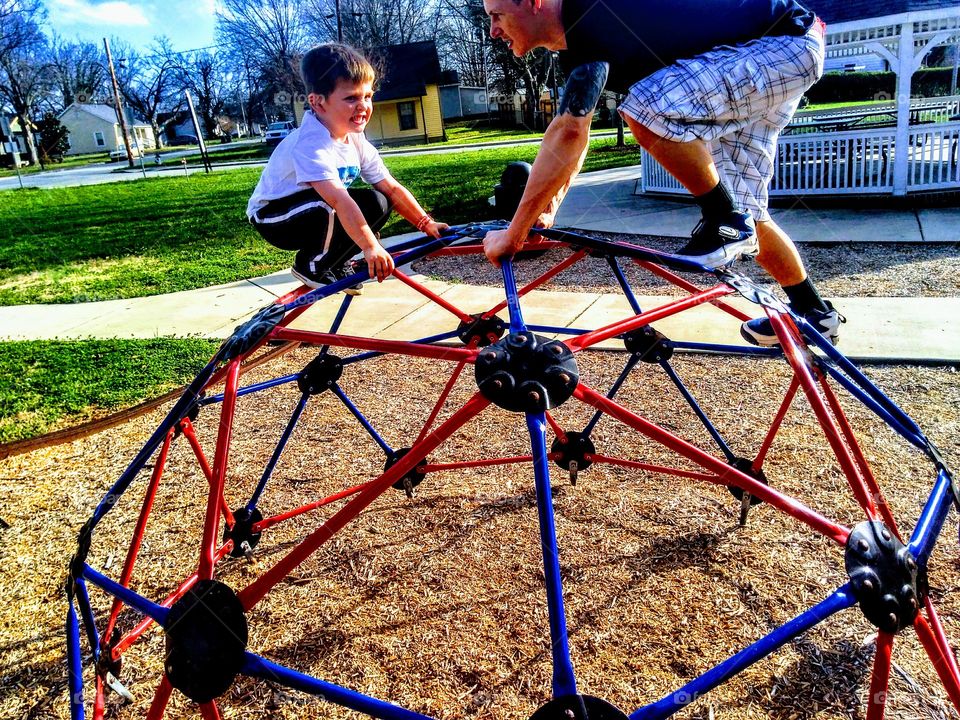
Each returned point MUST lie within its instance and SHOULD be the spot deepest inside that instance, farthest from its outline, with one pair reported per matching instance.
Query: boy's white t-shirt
(309, 154)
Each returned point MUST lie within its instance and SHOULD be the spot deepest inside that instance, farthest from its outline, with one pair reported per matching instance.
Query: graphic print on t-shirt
(348, 175)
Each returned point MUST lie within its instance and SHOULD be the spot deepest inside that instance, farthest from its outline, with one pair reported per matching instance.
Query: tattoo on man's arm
(582, 92)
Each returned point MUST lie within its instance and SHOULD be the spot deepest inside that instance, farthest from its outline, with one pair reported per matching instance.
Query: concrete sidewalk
(898, 329)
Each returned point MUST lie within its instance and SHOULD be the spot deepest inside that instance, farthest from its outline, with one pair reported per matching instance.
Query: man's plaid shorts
(737, 99)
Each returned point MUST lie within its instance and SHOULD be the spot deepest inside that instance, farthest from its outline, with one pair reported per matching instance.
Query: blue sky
(188, 23)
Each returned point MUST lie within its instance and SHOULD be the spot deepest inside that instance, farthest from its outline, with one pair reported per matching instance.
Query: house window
(98, 137)
(408, 115)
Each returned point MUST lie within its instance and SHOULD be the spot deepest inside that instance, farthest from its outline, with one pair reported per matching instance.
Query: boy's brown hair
(323, 66)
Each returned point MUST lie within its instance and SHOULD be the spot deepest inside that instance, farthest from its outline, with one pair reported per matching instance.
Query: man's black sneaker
(759, 331)
(346, 270)
(718, 242)
(306, 270)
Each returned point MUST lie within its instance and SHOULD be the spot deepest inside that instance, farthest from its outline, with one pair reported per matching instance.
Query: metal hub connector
(528, 373)
(884, 576)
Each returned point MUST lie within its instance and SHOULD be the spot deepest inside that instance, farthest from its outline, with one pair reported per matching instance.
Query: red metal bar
(934, 620)
(131, 637)
(99, 701)
(211, 524)
(443, 398)
(689, 474)
(534, 284)
(803, 373)
(726, 474)
(557, 430)
(209, 711)
(426, 292)
(160, 699)
(191, 435)
(880, 680)
(689, 286)
(777, 422)
(254, 592)
(386, 346)
(440, 467)
(270, 522)
(941, 664)
(605, 333)
(138, 532)
(865, 471)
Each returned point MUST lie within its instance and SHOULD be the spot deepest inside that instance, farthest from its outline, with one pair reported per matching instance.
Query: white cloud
(116, 13)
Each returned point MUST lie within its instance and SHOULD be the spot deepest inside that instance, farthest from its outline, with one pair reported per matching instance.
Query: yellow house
(94, 128)
(407, 102)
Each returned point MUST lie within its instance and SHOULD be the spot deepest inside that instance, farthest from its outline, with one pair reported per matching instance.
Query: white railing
(852, 162)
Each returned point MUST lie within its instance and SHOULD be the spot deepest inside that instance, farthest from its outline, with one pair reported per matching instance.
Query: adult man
(709, 86)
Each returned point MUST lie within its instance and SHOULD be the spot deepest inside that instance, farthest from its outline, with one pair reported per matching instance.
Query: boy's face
(347, 109)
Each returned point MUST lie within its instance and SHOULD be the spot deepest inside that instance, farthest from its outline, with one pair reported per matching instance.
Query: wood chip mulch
(437, 603)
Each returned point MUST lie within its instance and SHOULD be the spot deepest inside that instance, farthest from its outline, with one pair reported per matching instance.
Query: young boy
(304, 201)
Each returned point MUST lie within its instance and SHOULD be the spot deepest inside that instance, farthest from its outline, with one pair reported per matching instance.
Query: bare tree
(150, 85)
(79, 70)
(462, 40)
(204, 75)
(373, 23)
(267, 36)
(25, 70)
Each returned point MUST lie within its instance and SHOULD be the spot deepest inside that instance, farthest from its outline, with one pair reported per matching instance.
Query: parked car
(121, 153)
(184, 140)
(277, 131)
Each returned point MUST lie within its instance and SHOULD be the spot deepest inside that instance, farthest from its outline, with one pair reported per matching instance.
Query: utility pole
(119, 106)
(339, 22)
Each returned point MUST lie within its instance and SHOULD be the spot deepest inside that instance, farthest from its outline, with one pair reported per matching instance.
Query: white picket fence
(848, 162)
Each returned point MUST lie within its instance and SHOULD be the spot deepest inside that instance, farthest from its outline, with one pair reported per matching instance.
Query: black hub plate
(320, 374)
(206, 640)
(415, 476)
(575, 449)
(578, 707)
(242, 530)
(884, 577)
(651, 345)
(527, 373)
(482, 331)
(746, 467)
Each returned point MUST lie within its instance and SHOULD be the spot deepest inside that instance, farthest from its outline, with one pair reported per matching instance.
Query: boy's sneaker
(718, 242)
(306, 271)
(346, 270)
(759, 331)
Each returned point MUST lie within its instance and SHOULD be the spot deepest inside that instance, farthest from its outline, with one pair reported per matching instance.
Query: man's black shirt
(638, 37)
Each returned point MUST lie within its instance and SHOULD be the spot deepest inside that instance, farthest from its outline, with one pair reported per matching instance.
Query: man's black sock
(716, 203)
(804, 297)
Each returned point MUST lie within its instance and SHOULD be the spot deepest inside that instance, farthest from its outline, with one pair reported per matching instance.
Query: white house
(94, 128)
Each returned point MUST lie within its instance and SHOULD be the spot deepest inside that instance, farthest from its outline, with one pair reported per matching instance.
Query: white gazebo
(916, 150)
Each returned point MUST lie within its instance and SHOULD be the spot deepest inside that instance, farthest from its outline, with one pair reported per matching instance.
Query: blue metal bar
(338, 320)
(363, 421)
(730, 349)
(854, 372)
(624, 285)
(74, 663)
(556, 329)
(377, 353)
(89, 621)
(631, 364)
(268, 470)
(666, 706)
(255, 666)
(691, 401)
(137, 602)
(917, 440)
(176, 414)
(931, 520)
(267, 385)
(564, 682)
(624, 249)
(513, 300)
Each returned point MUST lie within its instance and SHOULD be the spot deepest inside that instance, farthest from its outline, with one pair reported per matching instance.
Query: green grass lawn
(160, 235)
(50, 384)
(68, 162)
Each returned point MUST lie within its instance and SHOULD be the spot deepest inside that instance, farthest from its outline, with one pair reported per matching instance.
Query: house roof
(104, 112)
(406, 69)
(834, 11)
